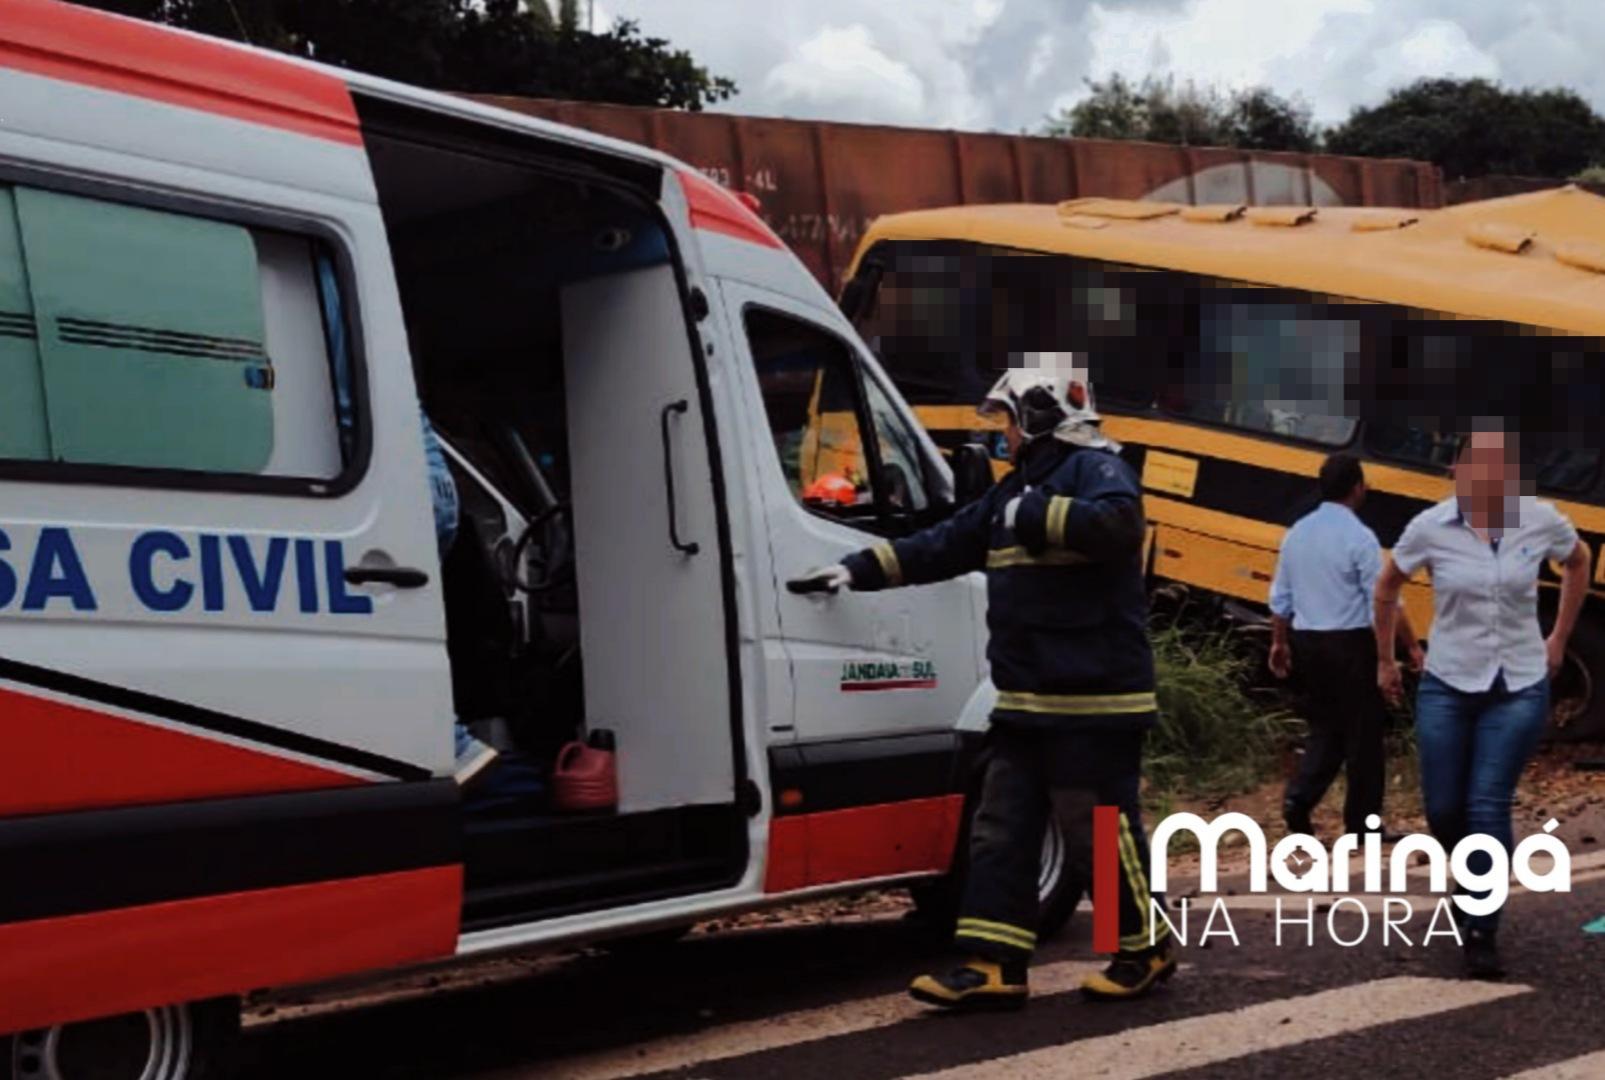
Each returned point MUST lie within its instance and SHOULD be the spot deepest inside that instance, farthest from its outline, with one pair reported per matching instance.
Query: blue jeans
(1473, 748)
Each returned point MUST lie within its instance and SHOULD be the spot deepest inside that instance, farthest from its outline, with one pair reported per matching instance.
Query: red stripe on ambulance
(108, 962)
(63, 756)
(716, 209)
(889, 684)
(865, 842)
(61, 41)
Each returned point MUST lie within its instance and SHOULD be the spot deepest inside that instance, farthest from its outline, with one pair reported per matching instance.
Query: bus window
(946, 320)
(928, 313)
(1272, 365)
(1122, 319)
(1444, 371)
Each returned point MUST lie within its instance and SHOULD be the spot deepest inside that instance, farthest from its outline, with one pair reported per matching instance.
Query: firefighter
(1061, 539)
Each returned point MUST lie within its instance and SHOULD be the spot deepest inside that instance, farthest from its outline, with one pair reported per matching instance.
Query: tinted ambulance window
(808, 383)
(899, 449)
(157, 340)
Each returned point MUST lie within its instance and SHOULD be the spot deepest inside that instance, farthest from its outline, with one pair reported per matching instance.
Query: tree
(1158, 110)
(1259, 119)
(1473, 127)
(471, 46)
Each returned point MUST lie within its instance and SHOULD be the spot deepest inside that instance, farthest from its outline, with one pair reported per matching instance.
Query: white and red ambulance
(230, 657)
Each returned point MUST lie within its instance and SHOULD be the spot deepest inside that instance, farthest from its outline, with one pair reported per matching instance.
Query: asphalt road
(826, 1001)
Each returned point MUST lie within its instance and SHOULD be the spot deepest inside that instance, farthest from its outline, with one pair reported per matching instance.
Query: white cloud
(1006, 64)
(1230, 43)
(1041, 57)
(840, 74)
(1433, 48)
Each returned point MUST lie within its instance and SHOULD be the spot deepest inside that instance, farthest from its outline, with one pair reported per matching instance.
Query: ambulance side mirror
(972, 473)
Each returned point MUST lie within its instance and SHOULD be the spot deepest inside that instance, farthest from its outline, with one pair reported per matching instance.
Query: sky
(1005, 65)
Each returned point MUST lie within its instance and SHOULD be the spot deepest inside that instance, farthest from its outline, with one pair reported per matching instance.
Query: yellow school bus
(1231, 349)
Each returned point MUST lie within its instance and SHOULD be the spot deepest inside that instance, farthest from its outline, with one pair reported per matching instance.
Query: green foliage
(568, 15)
(1213, 737)
(540, 13)
(1160, 110)
(471, 46)
(1473, 127)
(1594, 174)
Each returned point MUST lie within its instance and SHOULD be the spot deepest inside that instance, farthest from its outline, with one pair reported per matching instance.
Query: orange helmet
(831, 488)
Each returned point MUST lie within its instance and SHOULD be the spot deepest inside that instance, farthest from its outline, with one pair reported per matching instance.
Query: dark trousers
(1336, 674)
(1030, 773)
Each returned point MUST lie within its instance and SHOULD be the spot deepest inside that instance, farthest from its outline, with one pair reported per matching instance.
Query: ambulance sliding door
(652, 612)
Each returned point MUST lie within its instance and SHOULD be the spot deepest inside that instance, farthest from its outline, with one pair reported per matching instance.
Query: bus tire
(173, 1042)
(1062, 881)
(1577, 696)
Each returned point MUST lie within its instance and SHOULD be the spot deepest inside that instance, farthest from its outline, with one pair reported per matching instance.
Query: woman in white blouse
(1484, 699)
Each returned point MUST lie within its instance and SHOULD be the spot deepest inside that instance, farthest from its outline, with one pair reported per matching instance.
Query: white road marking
(726, 1041)
(1587, 1067)
(1205, 1040)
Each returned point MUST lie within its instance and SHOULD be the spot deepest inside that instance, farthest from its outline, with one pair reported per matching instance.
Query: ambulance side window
(901, 461)
(809, 384)
(141, 339)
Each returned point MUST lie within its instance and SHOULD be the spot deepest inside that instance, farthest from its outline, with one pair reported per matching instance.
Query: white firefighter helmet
(1047, 394)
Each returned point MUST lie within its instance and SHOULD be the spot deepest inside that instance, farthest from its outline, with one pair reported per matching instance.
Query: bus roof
(1537, 259)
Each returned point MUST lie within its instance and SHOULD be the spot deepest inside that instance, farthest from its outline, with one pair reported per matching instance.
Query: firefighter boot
(977, 984)
(1132, 974)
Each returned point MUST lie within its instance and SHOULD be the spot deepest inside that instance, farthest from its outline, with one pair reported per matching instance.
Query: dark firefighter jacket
(1066, 604)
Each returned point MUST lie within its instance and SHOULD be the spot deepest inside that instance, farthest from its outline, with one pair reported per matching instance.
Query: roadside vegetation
(1217, 734)
(1229, 734)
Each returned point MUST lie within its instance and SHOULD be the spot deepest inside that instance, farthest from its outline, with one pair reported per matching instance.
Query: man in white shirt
(1321, 606)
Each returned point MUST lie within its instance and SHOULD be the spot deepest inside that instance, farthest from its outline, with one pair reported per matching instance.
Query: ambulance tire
(1063, 882)
(175, 1042)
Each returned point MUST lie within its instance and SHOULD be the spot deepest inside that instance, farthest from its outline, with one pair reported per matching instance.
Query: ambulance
(231, 657)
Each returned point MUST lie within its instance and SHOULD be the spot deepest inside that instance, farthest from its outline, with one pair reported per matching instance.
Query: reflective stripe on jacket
(1067, 607)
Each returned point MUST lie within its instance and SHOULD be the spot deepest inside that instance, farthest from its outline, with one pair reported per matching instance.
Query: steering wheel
(556, 562)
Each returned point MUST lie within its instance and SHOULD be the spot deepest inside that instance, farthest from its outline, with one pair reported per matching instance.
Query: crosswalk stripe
(1204, 1040)
(745, 1037)
(1586, 1067)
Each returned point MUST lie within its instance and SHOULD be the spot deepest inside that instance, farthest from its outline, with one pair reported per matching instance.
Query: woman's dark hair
(1340, 475)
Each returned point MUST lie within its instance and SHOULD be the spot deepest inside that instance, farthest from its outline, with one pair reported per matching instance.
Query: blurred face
(1013, 436)
(1487, 476)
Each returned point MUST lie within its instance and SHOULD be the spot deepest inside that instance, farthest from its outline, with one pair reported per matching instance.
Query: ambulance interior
(509, 265)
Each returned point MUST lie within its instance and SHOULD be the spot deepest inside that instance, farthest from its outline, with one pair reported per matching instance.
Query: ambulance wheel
(175, 1042)
(1061, 883)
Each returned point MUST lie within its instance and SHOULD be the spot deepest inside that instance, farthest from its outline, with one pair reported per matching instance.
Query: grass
(1214, 737)
(1224, 729)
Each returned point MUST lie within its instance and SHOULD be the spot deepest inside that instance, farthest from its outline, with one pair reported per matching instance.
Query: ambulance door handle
(676, 408)
(402, 577)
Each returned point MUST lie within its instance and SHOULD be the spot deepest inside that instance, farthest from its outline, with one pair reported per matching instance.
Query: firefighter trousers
(1031, 773)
